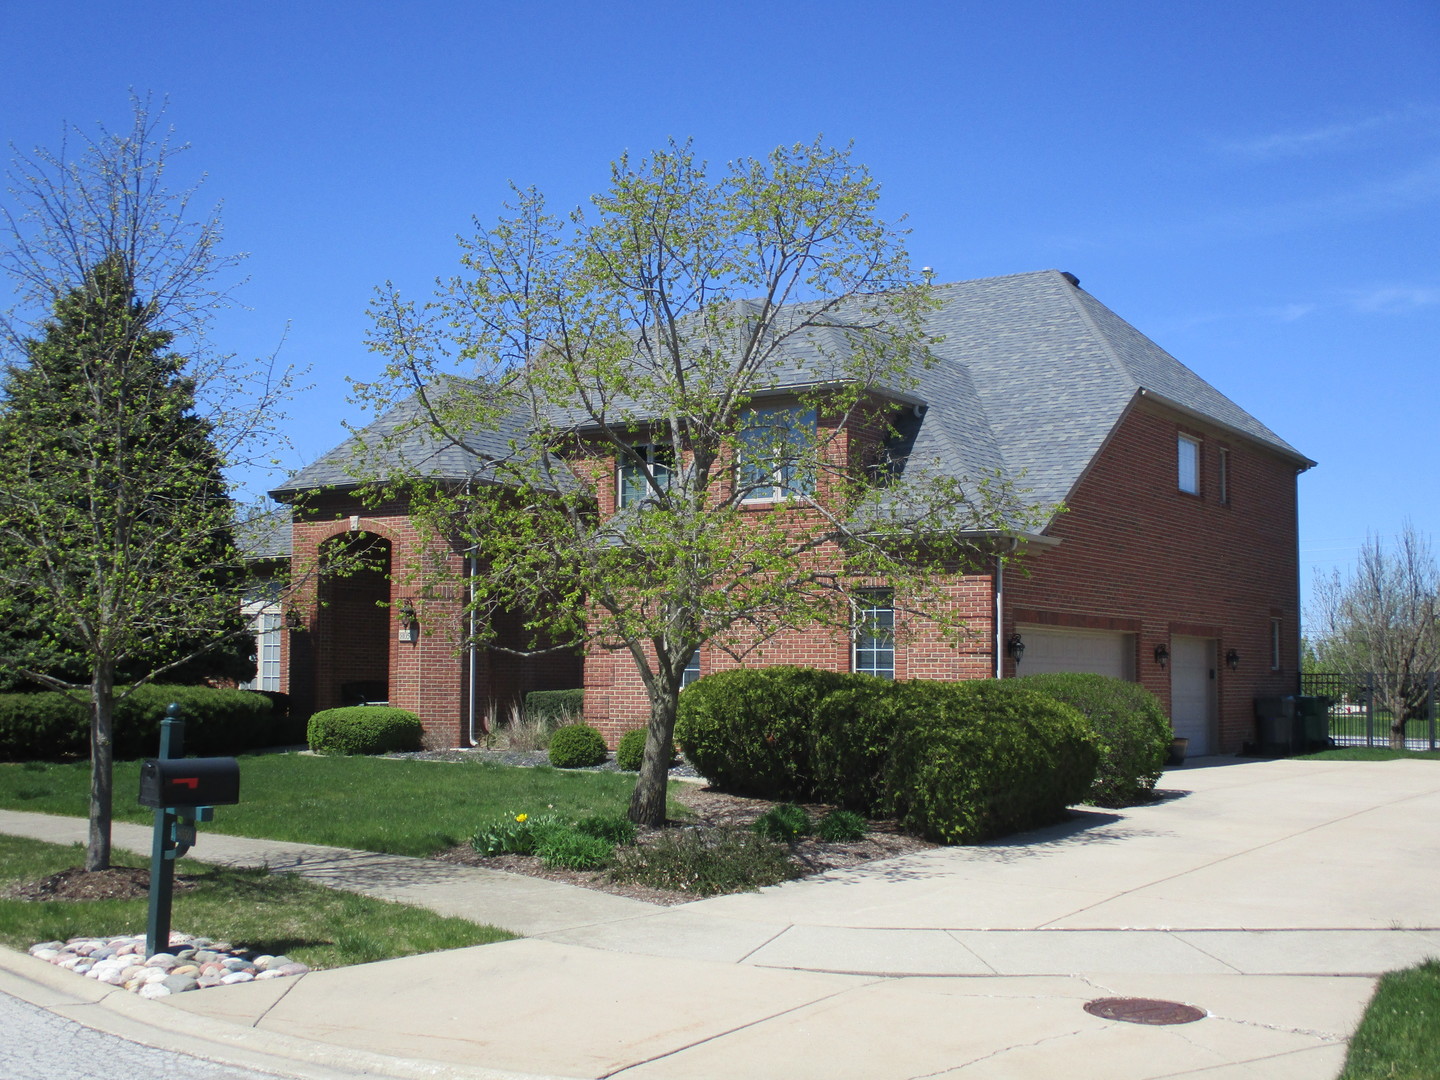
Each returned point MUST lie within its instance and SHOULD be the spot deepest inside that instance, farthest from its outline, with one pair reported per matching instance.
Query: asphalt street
(38, 1045)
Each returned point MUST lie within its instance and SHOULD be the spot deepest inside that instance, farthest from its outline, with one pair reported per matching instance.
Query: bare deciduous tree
(1383, 620)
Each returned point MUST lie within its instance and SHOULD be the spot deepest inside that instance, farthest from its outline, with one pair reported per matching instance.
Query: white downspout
(1000, 607)
(471, 569)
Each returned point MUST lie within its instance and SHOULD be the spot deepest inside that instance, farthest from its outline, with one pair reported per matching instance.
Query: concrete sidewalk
(1269, 894)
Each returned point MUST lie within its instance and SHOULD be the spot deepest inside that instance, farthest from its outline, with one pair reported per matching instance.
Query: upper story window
(1188, 458)
(874, 649)
(775, 448)
(1222, 460)
(634, 486)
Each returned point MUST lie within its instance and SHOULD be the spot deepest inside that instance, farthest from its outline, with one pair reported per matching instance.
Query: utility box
(189, 782)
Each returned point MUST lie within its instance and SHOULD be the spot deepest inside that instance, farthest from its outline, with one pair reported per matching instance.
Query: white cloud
(1329, 136)
(1393, 299)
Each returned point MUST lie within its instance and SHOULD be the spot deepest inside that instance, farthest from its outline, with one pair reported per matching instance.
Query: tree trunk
(102, 765)
(647, 804)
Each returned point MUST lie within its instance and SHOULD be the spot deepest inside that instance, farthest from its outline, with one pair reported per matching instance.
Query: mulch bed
(710, 809)
(77, 883)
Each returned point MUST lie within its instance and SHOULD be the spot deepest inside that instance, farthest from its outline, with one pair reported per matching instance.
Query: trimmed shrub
(631, 752)
(576, 747)
(842, 827)
(614, 828)
(722, 860)
(1130, 723)
(364, 729)
(574, 850)
(53, 725)
(752, 731)
(987, 757)
(551, 708)
(783, 823)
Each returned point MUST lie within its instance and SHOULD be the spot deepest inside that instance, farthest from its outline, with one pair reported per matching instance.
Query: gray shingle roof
(264, 536)
(1033, 374)
(394, 443)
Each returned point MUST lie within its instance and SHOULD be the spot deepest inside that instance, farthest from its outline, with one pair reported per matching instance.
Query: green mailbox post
(181, 791)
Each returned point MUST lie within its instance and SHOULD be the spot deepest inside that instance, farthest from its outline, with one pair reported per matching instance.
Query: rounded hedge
(630, 754)
(1131, 725)
(364, 729)
(752, 731)
(576, 747)
(52, 726)
(982, 758)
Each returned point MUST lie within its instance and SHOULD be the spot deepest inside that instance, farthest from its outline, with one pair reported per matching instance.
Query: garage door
(1101, 652)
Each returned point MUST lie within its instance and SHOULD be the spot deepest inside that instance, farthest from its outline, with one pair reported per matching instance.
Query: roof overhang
(1301, 461)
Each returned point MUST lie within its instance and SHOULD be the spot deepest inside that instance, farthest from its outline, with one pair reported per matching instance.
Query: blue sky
(1256, 185)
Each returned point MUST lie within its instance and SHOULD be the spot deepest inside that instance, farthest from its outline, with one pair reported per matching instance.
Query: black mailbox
(213, 781)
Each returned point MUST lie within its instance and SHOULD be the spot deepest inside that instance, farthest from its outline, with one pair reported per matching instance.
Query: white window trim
(692, 670)
(1191, 444)
(266, 624)
(783, 476)
(867, 603)
(652, 453)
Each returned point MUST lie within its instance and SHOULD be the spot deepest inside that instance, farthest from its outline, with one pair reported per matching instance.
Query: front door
(1192, 692)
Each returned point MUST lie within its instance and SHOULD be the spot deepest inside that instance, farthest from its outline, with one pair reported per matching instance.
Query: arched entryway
(353, 622)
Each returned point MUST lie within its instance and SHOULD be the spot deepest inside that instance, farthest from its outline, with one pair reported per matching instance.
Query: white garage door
(1099, 651)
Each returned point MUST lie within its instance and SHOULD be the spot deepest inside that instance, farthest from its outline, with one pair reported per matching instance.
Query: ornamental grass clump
(577, 746)
(783, 823)
(570, 849)
(705, 862)
(842, 827)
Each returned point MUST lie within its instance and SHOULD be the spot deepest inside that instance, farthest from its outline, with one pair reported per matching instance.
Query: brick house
(1175, 564)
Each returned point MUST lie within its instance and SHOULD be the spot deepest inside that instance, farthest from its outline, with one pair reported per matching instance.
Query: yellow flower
(522, 818)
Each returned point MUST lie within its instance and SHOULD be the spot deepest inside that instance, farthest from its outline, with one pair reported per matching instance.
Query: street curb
(152, 1023)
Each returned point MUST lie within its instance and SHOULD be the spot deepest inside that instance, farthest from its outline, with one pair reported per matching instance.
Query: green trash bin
(1312, 722)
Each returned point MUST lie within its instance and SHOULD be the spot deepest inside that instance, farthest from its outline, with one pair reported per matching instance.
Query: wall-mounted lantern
(1015, 647)
(409, 620)
(1162, 655)
(1232, 659)
(293, 619)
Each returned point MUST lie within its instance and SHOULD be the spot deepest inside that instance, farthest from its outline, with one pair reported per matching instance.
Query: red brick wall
(1139, 555)
(337, 640)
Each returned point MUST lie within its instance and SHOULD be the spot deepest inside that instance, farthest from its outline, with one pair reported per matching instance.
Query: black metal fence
(1359, 718)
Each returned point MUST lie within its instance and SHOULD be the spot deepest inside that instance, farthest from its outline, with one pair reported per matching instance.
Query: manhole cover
(1144, 1011)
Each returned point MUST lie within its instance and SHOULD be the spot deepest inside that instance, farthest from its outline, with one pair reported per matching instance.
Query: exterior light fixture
(293, 620)
(407, 611)
(1232, 659)
(409, 621)
(1162, 655)
(1015, 647)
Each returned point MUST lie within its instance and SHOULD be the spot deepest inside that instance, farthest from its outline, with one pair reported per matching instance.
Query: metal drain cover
(1144, 1011)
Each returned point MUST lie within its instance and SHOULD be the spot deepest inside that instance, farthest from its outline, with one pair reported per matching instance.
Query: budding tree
(116, 423)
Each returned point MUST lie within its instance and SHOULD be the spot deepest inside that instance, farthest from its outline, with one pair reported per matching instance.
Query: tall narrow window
(775, 446)
(1223, 461)
(1274, 644)
(875, 633)
(265, 625)
(634, 486)
(1188, 457)
(692, 670)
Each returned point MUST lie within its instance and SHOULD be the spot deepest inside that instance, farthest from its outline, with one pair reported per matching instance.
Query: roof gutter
(1301, 461)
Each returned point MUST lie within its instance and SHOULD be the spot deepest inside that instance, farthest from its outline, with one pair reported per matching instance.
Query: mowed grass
(1368, 753)
(396, 806)
(271, 913)
(1397, 1037)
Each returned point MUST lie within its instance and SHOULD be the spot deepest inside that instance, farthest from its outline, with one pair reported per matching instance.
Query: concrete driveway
(1269, 894)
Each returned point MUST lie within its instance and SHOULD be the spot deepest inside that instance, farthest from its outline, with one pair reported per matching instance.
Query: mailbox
(189, 782)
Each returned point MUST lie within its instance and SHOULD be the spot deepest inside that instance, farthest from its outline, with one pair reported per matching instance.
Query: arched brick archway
(353, 620)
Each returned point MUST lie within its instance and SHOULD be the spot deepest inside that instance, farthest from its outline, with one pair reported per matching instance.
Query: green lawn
(396, 806)
(271, 913)
(1397, 1037)
(1369, 753)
